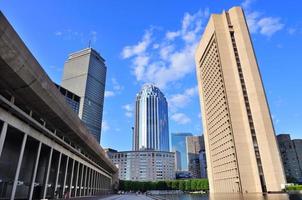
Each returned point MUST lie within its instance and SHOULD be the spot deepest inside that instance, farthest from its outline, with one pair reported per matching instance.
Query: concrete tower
(151, 120)
(85, 76)
(241, 148)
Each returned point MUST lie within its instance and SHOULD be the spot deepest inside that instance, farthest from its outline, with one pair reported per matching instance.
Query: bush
(184, 185)
(294, 187)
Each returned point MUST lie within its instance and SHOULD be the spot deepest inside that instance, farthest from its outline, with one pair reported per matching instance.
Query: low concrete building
(46, 151)
(147, 165)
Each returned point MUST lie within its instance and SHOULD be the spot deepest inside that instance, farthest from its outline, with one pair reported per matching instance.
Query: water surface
(232, 197)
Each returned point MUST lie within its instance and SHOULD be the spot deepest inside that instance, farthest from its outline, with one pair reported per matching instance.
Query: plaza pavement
(127, 197)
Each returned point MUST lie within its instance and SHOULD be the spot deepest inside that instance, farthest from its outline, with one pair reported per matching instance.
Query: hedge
(184, 185)
(293, 187)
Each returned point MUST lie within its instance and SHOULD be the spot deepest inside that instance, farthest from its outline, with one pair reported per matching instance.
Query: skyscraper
(195, 144)
(178, 142)
(151, 120)
(85, 76)
(241, 148)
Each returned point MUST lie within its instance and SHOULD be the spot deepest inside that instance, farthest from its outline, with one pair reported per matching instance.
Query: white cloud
(116, 89)
(180, 118)
(58, 33)
(139, 48)
(258, 23)
(105, 126)
(109, 93)
(170, 57)
(182, 99)
(93, 36)
(116, 85)
(247, 3)
(128, 110)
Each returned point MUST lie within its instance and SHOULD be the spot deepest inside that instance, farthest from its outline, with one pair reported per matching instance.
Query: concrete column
(93, 183)
(85, 182)
(58, 172)
(47, 173)
(81, 182)
(88, 183)
(98, 183)
(71, 178)
(3, 136)
(77, 180)
(65, 175)
(33, 179)
(18, 167)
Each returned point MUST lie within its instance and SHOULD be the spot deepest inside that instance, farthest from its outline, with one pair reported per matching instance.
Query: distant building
(194, 144)
(242, 152)
(178, 142)
(203, 164)
(183, 175)
(151, 120)
(85, 75)
(144, 165)
(177, 161)
(72, 99)
(291, 154)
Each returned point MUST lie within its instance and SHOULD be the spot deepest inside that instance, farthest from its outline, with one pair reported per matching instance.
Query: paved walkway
(127, 197)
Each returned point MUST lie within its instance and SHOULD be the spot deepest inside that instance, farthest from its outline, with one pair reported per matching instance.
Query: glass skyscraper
(178, 142)
(151, 120)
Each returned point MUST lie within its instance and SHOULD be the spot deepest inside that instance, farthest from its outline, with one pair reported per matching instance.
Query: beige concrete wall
(226, 78)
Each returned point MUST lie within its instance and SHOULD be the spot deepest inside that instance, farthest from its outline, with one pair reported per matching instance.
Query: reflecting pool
(232, 197)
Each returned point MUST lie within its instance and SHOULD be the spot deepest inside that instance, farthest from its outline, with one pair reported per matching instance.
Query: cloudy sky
(154, 41)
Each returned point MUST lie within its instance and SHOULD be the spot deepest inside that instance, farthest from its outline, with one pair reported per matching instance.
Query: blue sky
(154, 41)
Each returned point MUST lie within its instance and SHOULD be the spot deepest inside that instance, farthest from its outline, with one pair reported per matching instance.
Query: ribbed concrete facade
(241, 149)
(151, 120)
(46, 151)
(85, 75)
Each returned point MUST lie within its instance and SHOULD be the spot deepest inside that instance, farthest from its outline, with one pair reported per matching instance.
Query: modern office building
(177, 161)
(144, 165)
(45, 149)
(85, 76)
(291, 154)
(178, 143)
(241, 148)
(151, 129)
(72, 99)
(203, 164)
(194, 145)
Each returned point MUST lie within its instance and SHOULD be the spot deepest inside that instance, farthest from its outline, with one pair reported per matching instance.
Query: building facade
(72, 99)
(177, 161)
(85, 75)
(291, 151)
(45, 149)
(145, 165)
(151, 129)
(178, 143)
(241, 148)
(195, 144)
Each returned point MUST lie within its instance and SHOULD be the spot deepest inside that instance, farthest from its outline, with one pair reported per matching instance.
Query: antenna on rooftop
(89, 44)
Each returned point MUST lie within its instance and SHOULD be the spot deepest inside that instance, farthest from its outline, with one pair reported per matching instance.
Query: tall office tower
(241, 148)
(151, 120)
(291, 151)
(85, 76)
(178, 142)
(194, 144)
